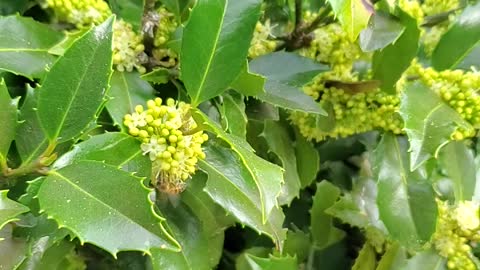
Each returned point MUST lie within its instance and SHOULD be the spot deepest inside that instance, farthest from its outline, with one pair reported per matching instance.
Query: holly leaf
(352, 14)
(429, 122)
(308, 160)
(282, 88)
(428, 259)
(321, 224)
(74, 89)
(118, 149)
(157, 76)
(127, 90)
(389, 63)
(9, 209)
(217, 30)
(459, 164)
(130, 11)
(249, 84)
(271, 263)
(8, 121)
(449, 51)
(233, 111)
(24, 45)
(393, 258)
(347, 211)
(12, 249)
(383, 29)
(277, 137)
(404, 197)
(89, 196)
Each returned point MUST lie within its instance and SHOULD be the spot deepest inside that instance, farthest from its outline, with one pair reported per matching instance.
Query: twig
(298, 13)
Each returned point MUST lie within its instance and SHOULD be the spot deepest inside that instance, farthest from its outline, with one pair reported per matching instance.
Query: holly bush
(239, 134)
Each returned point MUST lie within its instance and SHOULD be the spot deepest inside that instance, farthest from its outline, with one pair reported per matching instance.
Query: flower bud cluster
(166, 26)
(353, 112)
(172, 140)
(332, 45)
(81, 13)
(127, 48)
(261, 42)
(458, 89)
(457, 227)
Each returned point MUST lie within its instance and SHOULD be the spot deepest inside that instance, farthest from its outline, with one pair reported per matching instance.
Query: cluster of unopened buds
(172, 140)
(457, 228)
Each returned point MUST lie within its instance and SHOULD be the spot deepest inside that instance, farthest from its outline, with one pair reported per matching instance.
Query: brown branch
(298, 13)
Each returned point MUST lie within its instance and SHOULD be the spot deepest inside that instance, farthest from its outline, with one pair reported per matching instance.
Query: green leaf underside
(30, 138)
(268, 177)
(13, 250)
(277, 137)
(389, 63)
(8, 119)
(366, 259)
(158, 76)
(282, 87)
(428, 259)
(234, 113)
(459, 164)
(347, 211)
(321, 224)
(24, 45)
(404, 197)
(217, 30)
(127, 90)
(9, 209)
(382, 30)
(104, 206)
(352, 14)
(195, 226)
(449, 51)
(117, 149)
(429, 122)
(249, 84)
(308, 160)
(74, 88)
(231, 184)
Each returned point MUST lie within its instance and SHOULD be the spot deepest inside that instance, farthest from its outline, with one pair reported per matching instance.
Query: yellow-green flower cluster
(172, 140)
(332, 45)
(127, 48)
(434, 7)
(353, 112)
(412, 8)
(458, 89)
(80, 12)
(261, 43)
(457, 227)
(166, 26)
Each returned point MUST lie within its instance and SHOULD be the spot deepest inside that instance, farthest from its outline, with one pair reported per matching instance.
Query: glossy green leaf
(277, 137)
(352, 14)
(459, 164)
(282, 87)
(249, 84)
(9, 209)
(48, 258)
(8, 7)
(393, 258)
(466, 28)
(79, 197)
(178, 7)
(271, 263)
(75, 87)
(366, 259)
(429, 122)
(30, 138)
(157, 76)
(24, 44)
(215, 45)
(382, 30)
(308, 160)
(233, 111)
(297, 244)
(428, 259)
(118, 149)
(8, 120)
(267, 177)
(346, 210)
(127, 91)
(404, 197)
(389, 63)
(321, 224)
(70, 38)
(130, 11)
(243, 194)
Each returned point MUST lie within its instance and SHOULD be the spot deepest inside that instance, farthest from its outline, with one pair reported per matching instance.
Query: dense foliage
(239, 134)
